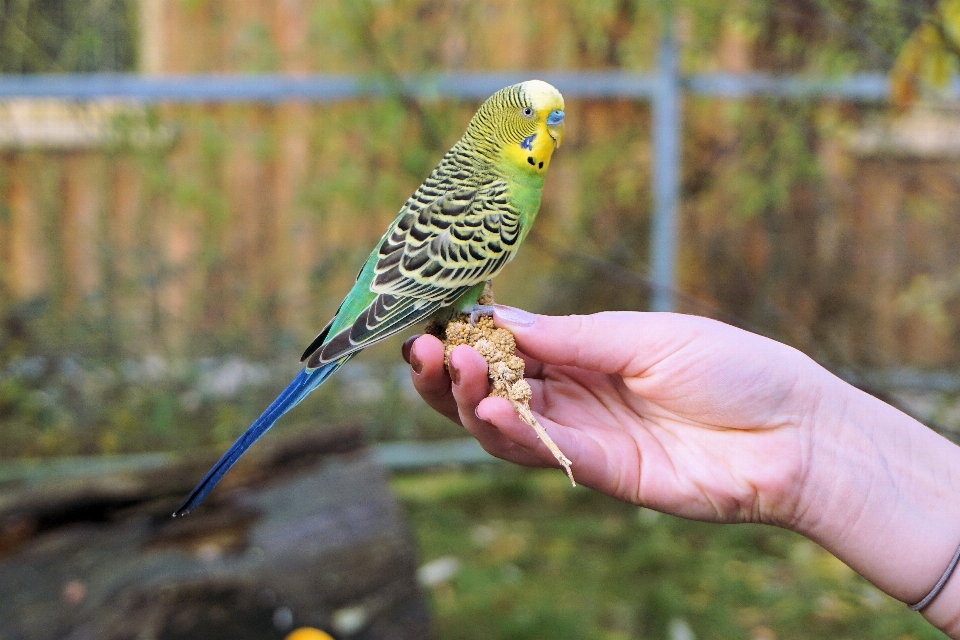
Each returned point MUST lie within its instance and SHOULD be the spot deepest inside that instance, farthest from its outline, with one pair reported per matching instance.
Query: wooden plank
(152, 42)
(123, 290)
(81, 231)
(28, 251)
(6, 283)
(290, 28)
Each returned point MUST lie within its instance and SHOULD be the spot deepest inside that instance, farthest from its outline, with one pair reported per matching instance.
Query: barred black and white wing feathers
(445, 243)
(458, 240)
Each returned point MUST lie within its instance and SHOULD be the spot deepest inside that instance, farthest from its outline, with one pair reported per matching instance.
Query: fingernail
(415, 363)
(454, 373)
(407, 346)
(512, 315)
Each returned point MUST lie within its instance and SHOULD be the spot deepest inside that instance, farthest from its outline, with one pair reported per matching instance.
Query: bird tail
(304, 383)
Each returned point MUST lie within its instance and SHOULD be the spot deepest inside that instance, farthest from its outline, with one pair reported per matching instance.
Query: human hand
(699, 419)
(678, 413)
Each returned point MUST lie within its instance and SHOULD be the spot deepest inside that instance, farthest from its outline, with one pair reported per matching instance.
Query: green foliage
(538, 559)
(47, 36)
(929, 58)
(931, 300)
(51, 405)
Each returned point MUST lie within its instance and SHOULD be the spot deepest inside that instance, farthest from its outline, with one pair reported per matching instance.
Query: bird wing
(437, 250)
(458, 239)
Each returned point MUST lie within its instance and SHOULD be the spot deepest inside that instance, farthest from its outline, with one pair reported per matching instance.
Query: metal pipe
(666, 124)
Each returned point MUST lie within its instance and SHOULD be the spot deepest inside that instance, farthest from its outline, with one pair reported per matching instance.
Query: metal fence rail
(214, 88)
(663, 88)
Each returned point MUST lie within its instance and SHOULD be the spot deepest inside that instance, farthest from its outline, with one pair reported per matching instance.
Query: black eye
(527, 112)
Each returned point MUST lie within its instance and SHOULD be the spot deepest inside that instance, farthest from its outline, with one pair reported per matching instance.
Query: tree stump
(303, 533)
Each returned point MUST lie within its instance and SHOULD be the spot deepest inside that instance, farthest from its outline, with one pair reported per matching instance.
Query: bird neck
(524, 191)
(485, 160)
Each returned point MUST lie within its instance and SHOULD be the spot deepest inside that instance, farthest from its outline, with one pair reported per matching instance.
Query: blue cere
(555, 117)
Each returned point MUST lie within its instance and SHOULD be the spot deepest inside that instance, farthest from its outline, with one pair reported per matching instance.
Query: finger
(537, 388)
(407, 346)
(496, 443)
(532, 368)
(499, 435)
(468, 371)
(430, 377)
(471, 386)
(590, 462)
(626, 343)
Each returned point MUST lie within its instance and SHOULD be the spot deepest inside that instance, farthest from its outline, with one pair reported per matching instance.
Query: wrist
(944, 610)
(880, 494)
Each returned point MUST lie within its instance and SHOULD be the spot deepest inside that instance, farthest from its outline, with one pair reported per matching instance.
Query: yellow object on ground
(308, 633)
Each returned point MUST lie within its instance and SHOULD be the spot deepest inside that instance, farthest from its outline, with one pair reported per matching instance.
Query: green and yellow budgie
(457, 231)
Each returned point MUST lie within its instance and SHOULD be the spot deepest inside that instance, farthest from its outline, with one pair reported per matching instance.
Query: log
(303, 533)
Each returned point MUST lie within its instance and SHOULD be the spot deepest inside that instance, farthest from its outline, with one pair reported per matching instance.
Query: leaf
(905, 77)
(929, 57)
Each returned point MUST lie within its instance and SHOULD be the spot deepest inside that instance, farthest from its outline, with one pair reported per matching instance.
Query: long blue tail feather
(305, 382)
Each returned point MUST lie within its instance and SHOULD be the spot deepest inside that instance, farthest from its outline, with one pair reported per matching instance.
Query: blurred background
(789, 166)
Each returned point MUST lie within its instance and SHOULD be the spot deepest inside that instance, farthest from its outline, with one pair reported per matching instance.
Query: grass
(538, 559)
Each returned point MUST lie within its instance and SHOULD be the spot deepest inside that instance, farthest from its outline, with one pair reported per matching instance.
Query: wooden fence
(206, 228)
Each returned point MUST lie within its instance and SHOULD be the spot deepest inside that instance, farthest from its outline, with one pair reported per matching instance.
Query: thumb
(622, 342)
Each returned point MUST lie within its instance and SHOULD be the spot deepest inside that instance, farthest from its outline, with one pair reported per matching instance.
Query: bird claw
(480, 310)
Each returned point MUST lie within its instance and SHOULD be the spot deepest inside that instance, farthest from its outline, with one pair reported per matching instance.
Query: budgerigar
(457, 231)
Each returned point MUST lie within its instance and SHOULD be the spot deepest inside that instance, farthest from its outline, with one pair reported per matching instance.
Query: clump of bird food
(504, 367)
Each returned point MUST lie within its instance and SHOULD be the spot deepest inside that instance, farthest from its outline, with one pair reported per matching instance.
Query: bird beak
(555, 127)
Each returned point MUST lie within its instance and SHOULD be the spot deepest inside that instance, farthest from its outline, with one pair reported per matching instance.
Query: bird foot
(480, 310)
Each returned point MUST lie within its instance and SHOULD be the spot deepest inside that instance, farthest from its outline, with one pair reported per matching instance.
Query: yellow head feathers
(520, 125)
(543, 96)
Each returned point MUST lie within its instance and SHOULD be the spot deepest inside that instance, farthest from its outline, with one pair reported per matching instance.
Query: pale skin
(696, 418)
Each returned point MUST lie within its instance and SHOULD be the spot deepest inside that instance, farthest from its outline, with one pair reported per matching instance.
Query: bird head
(525, 121)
